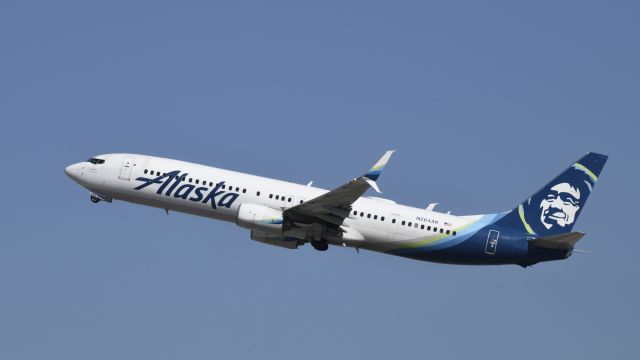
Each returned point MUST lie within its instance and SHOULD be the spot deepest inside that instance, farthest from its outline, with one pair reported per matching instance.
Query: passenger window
(151, 172)
(382, 218)
(361, 214)
(277, 197)
(355, 213)
(422, 227)
(393, 221)
(244, 191)
(415, 225)
(190, 179)
(429, 228)
(441, 230)
(448, 231)
(270, 196)
(368, 216)
(146, 171)
(409, 223)
(237, 189)
(197, 181)
(435, 229)
(258, 193)
(224, 186)
(454, 233)
(403, 222)
(289, 200)
(210, 184)
(300, 201)
(375, 217)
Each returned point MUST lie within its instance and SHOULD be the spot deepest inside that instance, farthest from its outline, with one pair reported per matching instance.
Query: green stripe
(526, 225)
(429, 240)
(587, 171)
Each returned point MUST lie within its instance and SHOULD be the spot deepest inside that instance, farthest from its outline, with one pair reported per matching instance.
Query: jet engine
(260, 218)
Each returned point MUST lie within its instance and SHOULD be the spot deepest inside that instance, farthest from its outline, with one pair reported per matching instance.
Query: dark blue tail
(555, 208)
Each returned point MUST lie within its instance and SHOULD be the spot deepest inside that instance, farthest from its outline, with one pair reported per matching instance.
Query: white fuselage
(374, 223)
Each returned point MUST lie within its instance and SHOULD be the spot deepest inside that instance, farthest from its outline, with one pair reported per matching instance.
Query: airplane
(289, 215)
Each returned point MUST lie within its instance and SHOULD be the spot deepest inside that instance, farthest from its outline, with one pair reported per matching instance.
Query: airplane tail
(555, 208)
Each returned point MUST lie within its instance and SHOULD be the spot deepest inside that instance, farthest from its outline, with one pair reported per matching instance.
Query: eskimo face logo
(170, 186)
(560, 206)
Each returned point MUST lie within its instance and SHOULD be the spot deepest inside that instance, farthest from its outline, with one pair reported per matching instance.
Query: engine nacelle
(260, 218)
(276, 240)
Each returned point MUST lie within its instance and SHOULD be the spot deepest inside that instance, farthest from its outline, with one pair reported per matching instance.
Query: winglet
(375, 171)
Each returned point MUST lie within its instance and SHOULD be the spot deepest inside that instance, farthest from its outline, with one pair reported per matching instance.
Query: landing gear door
(125, 169)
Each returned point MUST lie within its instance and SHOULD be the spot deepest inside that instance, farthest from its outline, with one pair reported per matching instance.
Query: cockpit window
(96, 161)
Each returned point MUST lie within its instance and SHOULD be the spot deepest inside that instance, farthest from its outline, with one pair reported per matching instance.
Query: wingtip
(383, 160)
(376, 170)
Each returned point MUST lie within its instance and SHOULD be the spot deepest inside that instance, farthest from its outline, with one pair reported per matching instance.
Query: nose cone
(73, 171)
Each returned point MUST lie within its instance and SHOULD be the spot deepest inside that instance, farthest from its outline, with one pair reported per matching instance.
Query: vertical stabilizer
(555, 208)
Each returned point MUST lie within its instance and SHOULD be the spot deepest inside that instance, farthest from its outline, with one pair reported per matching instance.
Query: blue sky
(484, 101)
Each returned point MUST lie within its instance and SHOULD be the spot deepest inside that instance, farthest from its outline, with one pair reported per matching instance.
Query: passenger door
(125, 169)
(492, 242)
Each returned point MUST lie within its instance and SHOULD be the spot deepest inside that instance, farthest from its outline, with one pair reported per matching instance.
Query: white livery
(289, 215)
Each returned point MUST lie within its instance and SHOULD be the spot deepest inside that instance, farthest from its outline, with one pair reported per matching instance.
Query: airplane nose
(72, 171)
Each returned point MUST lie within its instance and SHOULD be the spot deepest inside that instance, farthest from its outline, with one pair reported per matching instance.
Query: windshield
(96, 161)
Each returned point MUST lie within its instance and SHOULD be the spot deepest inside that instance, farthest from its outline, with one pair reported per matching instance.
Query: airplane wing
(330, 209)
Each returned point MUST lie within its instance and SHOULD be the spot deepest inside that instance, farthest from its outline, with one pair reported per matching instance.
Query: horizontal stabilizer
(558, 242)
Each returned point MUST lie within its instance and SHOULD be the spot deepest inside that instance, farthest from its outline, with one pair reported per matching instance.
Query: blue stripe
(373, 175)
